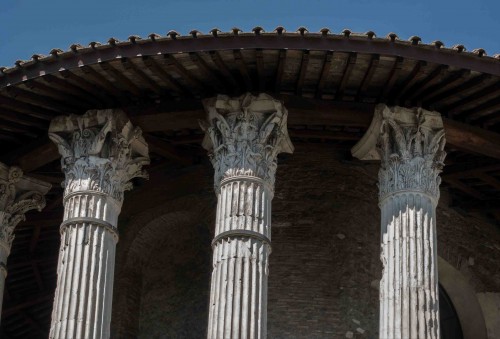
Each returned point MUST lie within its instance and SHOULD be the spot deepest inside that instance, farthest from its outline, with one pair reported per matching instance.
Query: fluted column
(101, 152)
(243, 136)
(18, 195)
(410, 144)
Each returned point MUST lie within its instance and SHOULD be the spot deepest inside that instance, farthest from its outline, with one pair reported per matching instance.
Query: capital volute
(409, 142)
(18, 195)
(100, 151)
(244, 136)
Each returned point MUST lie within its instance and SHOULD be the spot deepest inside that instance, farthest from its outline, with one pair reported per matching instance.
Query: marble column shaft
(410, 144)
(18, 195)
(99, 158)
(243, 136)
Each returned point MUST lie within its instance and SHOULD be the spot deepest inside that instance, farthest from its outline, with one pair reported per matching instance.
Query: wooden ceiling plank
(325, 69)
(217, 84)
(23, 119)
(27, 108)
(172, 62)
(240, 62)
(280, 70)
(370, 71)
(33, 156)
(103, 82)
(41, 101)
(68, 87)
(477, 98)
(14, 128)
(56, 94)
(302, 73)
(350, 64)
(482, 111)
(391, 80)
(129, 85)
(451, 81)
(472, 84)
(92, 89)
(153, 85)
(222, 67)
(398, 91)
(177, 87)
(419, 86)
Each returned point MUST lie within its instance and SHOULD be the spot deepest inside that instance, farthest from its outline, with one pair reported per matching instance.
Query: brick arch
(464, 300)
(145, 233)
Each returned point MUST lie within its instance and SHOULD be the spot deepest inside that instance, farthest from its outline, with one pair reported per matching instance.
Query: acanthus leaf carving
(100, 150)
(244, 136)
(410, 144)
(18, 195)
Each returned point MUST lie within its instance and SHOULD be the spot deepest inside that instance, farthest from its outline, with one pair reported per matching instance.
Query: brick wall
(324, 268)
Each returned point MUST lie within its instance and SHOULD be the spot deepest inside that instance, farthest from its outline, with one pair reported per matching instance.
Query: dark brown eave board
(102, 54)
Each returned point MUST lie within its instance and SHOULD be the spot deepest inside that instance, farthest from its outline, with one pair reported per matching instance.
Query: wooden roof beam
(173, 63)
(94, 90)
(166, 150)
(129, 85)
(444, 85)
(74, 90)
(350, 63)
(302, 73)
(325, 70)
(391, 80)
(27, 108)
(153, 85)
(240, 62)
(472, 84)
(280, 70)
(222, 67)
(103, 82)
(478, 97)
(174, 85)
(397, 92)
(423, 84)
(370, 71)
(217, 84)
(261, 74)
(51, 92)
(41, 101)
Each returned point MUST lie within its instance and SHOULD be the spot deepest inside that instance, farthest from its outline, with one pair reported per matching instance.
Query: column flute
(243, 136)
(101, 152)
(410, 145)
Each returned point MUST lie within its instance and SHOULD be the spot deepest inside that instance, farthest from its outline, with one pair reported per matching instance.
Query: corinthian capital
(244, 136)
(18, 195)
(410, 144)
(100, 151)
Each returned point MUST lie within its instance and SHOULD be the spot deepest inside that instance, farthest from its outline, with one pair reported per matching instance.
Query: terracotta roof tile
(215, 32)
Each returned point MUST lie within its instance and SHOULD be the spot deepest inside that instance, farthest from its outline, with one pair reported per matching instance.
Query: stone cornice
(410, 144)
(101, 151)
(18, 195)
(244, 136)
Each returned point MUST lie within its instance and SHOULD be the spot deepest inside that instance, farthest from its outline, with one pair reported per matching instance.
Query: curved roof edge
(78, 55)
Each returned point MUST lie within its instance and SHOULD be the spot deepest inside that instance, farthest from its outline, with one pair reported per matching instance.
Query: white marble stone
(101, 152)
(18, 195)
(243, 137)
(410, 144)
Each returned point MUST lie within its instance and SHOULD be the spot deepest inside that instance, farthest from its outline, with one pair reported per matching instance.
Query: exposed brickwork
(324, 268)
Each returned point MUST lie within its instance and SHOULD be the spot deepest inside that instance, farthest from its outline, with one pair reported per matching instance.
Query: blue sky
(28, 27)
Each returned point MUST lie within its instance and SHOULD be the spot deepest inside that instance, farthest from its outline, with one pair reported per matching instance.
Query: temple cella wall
(324, 269)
